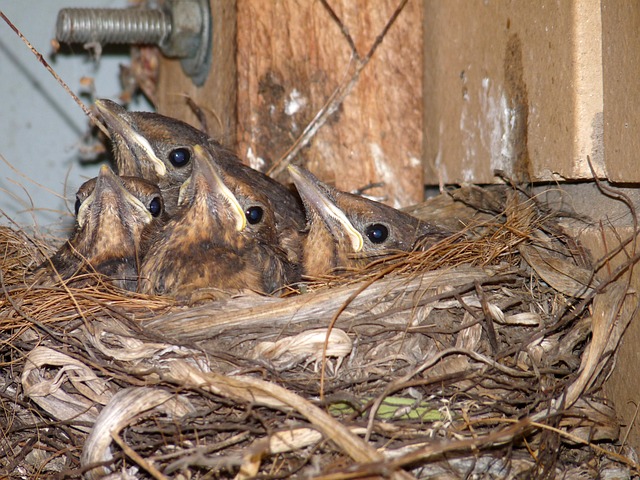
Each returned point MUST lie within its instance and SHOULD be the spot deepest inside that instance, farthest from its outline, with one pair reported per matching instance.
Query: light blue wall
(41, 127)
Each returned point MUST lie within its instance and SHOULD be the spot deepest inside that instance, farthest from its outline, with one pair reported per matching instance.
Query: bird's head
(112, 212)
(358, 230)
(152, 146)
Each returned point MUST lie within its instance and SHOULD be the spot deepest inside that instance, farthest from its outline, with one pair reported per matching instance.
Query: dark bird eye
(254, 215)
(179, 157)
(155, 206)
(377, 233)
(77, 207)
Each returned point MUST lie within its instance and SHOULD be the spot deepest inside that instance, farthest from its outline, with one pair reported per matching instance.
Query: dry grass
(481, 356)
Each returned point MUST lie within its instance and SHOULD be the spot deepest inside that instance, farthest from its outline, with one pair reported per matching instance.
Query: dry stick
(631, 424)
(343, 29)
(379, 275)
(335, 317)
(574, 438)
(339, 94)
(471, 444)
(611, 192)
(135, 456)
(604, 243)
(582, 305)
(430, 451)
(621, 269)
(518, 427)
(428, 363)
(19, 311)
(621, 196)
(41, 59)
(488, 318)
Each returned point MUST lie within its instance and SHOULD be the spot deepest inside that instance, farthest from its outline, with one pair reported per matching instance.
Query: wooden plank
(292, 55)
(611, 221)
(621, 56)
(515, 86)
(217, 97)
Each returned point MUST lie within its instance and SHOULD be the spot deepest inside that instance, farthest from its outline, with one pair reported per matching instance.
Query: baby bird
(346, 231)
(114, 215)
(160, 149)
(218, 239)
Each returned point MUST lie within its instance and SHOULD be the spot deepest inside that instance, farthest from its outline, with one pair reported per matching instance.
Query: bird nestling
(346, 231)
(114, 217)
(160, 149)
(218, 239)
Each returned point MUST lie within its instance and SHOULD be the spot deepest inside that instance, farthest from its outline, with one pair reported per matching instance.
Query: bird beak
(117, 122)
(204, 167)
(316, 197)
(108, 191)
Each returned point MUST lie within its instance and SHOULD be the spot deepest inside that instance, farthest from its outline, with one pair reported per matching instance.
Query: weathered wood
(621, 58)
(292, 55)
(515, 86)
(217, 97)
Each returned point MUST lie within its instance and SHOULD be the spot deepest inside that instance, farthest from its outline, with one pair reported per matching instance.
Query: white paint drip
(468, 175)
(502, 136)
(441, 167)
(385, 173)
(468, 130)
(493, 129)
(295, 103)
(255, 162)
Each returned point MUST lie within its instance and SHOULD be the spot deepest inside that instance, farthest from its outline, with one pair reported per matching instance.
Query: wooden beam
(217, 97)
(294, 54)
(513, 86)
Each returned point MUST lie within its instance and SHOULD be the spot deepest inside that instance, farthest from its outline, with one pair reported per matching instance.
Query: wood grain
(514, 86)
(292, 55)
(621, 58)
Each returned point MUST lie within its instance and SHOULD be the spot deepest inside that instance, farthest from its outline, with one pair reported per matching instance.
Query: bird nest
(482, 356)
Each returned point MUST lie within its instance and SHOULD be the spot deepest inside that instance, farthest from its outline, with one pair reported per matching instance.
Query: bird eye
(179, 157)
(155, 206)
(77, 207)
(254, 215)
(377, 233)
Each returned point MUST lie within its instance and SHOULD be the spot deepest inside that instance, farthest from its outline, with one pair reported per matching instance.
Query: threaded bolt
(182, 29)
(112, 25)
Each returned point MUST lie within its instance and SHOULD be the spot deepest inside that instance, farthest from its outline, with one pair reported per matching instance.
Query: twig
(488, 318)
(430, 451)
(334, 319)
(133, 455)
(41, 59)
(19, 311)
(617, 272)
(343, 29)
(339, 94)
(621, 196)
(429, 362)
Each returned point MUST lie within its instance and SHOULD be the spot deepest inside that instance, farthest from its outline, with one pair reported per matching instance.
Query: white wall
(41, 126)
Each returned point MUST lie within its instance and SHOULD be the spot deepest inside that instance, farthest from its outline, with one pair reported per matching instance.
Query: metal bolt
(181, 28)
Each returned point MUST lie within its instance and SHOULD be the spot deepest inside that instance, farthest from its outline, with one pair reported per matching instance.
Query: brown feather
(109, 238)
(166, 136)
(336, 220)
(202, 246)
